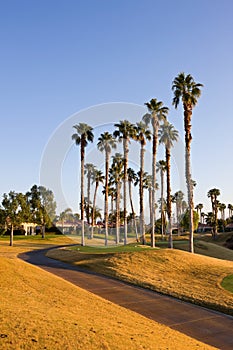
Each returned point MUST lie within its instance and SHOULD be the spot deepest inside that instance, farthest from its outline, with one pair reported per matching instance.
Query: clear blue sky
(59, 57)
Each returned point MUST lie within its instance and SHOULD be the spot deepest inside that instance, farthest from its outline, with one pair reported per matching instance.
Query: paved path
(207, 326)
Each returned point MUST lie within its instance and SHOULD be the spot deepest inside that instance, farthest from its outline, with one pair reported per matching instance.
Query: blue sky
(60, 57)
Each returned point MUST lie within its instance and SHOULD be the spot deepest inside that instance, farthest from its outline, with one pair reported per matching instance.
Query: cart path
(208, 326)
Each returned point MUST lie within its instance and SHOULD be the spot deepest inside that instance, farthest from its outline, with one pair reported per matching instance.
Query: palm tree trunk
(106, 196)
(117, 212)
(141, 195)
(82, 193)
(162, 202)
(88, 198)
(188, 139)
(12, 235)
(93, 211)
(132, 209)
(126, 151)
(154, 153)
(169, 207)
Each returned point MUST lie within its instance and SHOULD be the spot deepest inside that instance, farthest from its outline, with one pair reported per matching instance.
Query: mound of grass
(42, 311)
(186, 276)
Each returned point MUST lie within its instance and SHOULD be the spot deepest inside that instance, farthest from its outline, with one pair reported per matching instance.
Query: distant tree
(124, 132)
(168, 135)
(185, 220)
(132, 177)
(177, 199)
(157, 113)
(89, 168)
(199, 208)
(106, 142)
(11, 207)
(213, 194)
(97, 178)
(161, 168)
(188, 91)
(116, 176)
(83, 135)
(142, 135)
(64, 215)
(230, 208)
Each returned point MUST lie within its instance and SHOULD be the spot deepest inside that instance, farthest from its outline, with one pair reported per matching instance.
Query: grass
(227, 283)
(191, 277)
(42, 311)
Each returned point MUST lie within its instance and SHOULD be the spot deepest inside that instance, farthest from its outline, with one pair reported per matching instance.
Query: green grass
(110, 249)
(227, 283)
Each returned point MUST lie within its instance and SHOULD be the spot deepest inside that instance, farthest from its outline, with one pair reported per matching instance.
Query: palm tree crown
(185, 89)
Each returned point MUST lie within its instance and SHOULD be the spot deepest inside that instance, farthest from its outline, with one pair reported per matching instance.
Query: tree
(88, 170)
(188, 91)
(11, 207)
(168, 134)
(64, 215)
(125, 131)
(161, 167)
(132, 176)
(157, 112)
(82, 136)
(185, 221)
(230, 208)
(97, 178)
(213, 194)
(177, 199)
(42, 206)
(115, 179)
(106, 142)
(142, 134)
(222, 208)
(199, 208)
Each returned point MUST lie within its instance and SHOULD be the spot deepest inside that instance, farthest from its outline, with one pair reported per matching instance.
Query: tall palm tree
(148, 186)
(82, 136)
(161, 167)
(142, 135)
(157, 113)
(188, 91)
(213, 194)
(115, 179)
(132, 176)
(168, 134)
(97, 178)
(88, 171)
(222, 208)
(125, 131)
(106, 142)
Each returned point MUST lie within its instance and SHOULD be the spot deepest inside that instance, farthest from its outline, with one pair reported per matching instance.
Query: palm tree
(88, 170)
(199, 208)
(188, 91)
(106, 142)
(161, 167)
(157, 112)
(142, 134)
(230, 208)
(64, 215)
(132, 176)
(168, 134)
(222, 208)
(178, 198)
(125, 131)
(213, 194)
(148, 186)
(115, 179)
(82, 136)
(97, 178)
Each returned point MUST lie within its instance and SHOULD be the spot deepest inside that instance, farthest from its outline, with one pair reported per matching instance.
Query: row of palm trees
(186, 91)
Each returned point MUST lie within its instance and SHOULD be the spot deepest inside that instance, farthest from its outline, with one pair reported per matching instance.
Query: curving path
(208, 326)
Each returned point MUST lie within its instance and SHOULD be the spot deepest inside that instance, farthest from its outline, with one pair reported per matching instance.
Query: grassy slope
(42, 311)
(190, 277)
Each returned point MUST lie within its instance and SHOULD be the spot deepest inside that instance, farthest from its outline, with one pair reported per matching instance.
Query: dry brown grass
(190, 277)
(42, 311)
